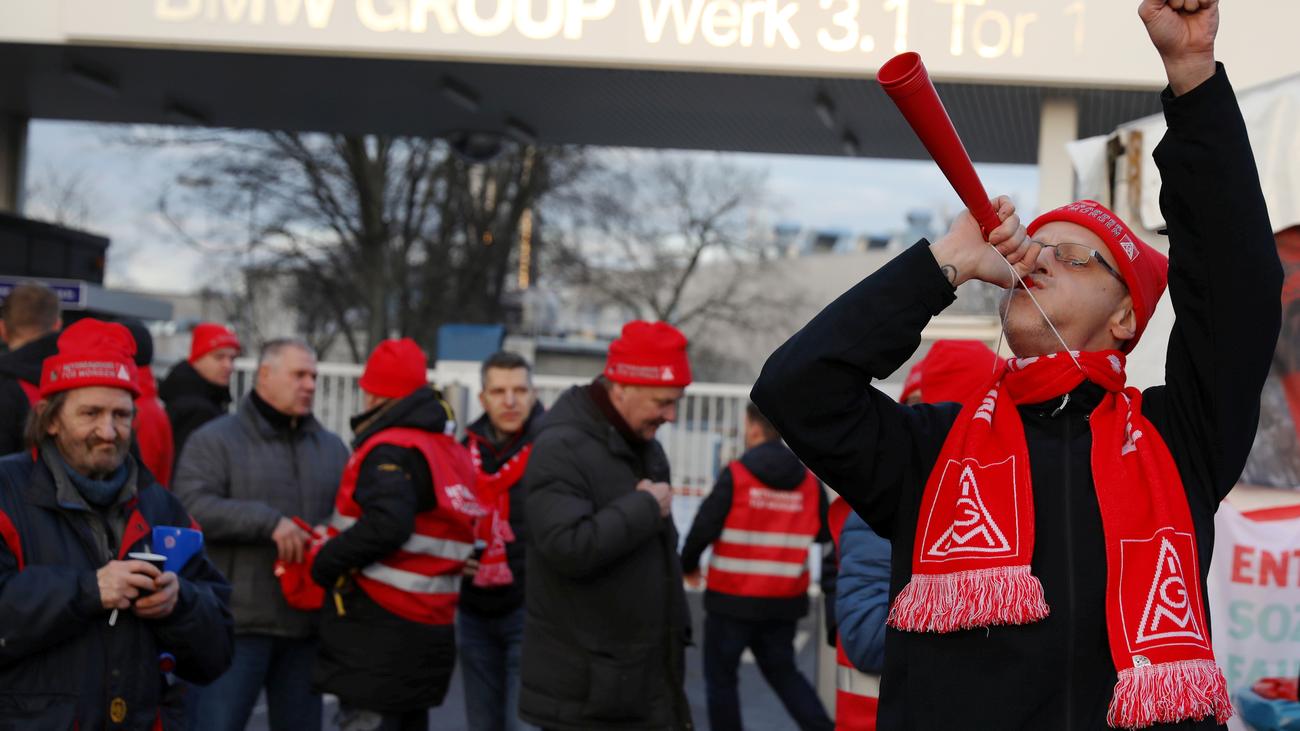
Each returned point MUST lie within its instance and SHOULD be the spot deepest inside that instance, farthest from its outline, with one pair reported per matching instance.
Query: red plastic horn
(906, 81)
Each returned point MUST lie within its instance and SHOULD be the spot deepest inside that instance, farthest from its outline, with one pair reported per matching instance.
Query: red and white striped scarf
(493, 492)
(975, 537)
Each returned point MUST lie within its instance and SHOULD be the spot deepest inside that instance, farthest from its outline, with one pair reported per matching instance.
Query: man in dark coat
(1078, 648)
(197, 390)
(757, 595)
(401, 532)
(29, 327)
(91, 636)
(607, 621)
(245, 477)
(490, 623)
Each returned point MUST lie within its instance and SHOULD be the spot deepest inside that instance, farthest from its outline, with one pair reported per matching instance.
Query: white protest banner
(1254, 590)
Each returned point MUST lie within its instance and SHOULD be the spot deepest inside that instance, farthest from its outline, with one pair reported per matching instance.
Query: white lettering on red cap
(667, 374)
(645, 373)
(101, 369)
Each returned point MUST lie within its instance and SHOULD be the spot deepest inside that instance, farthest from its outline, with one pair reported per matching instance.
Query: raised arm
(1224, 275)
(816, 388)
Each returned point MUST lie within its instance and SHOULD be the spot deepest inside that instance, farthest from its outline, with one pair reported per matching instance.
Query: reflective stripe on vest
(411, 581)
(420, 581)
(756, 567)
(762, 538)
(855, 682)
(763, 549)
(423, 545)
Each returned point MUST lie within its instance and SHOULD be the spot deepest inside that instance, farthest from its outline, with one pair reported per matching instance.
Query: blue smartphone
(178, 544)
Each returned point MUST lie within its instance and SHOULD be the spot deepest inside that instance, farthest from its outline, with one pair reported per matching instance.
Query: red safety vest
(763, 549)
(856, 693)
(421, 580)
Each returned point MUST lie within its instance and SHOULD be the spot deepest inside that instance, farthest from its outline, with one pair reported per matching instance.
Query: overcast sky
(121, 185)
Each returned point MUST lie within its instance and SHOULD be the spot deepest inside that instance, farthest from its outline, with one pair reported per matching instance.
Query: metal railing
(707, 435)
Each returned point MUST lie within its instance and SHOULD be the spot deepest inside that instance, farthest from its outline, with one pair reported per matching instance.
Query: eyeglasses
(1078, 256)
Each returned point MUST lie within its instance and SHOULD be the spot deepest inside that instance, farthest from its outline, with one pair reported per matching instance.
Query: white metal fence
(706, 436)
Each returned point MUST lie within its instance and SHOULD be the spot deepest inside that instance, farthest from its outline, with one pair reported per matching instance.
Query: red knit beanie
(1145, 270)
(208, 336)
(952, 371)
(649, 354)
(397, 369)
(91, 353)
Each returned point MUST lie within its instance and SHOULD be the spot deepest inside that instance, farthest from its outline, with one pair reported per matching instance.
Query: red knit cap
(952, 371)
(208, 336)
(91, 353)
(397, 369)
(649, 354)
(1145, 270)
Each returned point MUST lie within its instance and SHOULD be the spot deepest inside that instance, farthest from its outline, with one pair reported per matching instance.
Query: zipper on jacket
(1069, 584)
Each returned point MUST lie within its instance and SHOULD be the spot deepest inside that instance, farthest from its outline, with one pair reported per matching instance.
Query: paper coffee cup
(158, 560)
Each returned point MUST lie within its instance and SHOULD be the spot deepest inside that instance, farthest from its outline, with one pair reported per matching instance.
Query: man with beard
(607, 621)
(401, 532)
(197, 390)
(1052, 535)
(29, 326)
(88, 634)
(490, 625)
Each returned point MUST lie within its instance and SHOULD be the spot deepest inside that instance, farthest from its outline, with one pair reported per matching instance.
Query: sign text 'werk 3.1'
(966, 28)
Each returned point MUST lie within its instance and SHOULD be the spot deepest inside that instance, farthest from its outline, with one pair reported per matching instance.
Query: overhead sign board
(1057, 41)
(72, 294)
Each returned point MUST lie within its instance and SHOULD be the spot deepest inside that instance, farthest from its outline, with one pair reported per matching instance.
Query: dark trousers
(359, 719)
(772, 642)
(280, 665)
(489, 649)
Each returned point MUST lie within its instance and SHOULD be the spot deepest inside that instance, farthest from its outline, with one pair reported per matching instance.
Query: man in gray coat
(606, 618)
(244, 477)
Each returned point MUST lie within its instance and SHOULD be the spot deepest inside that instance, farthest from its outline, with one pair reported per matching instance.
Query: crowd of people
(1016, 543)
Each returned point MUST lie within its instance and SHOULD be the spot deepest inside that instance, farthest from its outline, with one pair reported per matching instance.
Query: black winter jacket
(61, 664)
(191, 402)
(23, 364)
(775, 466)
(606, 614)
(502, 600)
(1224, 280)
(369, 657)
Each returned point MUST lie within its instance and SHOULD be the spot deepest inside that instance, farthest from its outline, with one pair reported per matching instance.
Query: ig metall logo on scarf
(974, 514)
(1160, 593)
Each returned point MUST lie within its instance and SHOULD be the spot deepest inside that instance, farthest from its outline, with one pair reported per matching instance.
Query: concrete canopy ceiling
(560, 105)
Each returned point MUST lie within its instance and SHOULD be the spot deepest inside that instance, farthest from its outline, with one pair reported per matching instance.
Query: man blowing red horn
(1052, 535)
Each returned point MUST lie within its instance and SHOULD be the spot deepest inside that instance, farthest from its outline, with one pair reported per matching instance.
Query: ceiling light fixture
(182, 113)
(96, 79)
(461, 94)
(520, 132)
(825, 109)
(849, 143)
